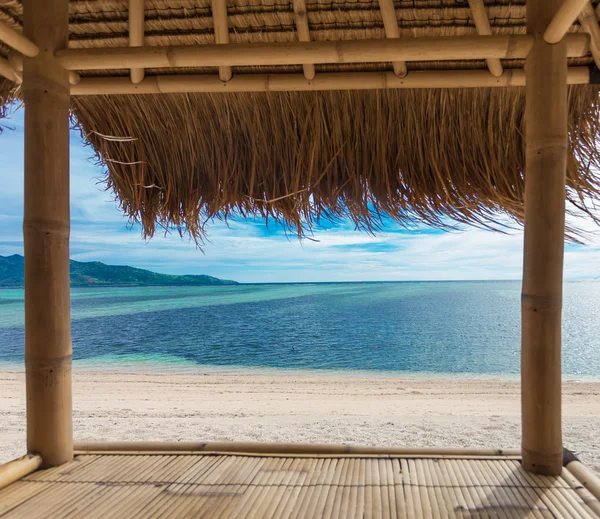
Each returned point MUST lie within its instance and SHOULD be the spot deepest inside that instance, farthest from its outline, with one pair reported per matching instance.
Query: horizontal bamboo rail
(297, 82)
(589, 23)
(482, 24)
(291, 53)
(281, 449)
(563, 19)
(17, 41)
(390, 25)
(16, 60)
(19, 468)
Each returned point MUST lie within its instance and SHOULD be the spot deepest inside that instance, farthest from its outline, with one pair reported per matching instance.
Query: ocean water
(468, 329)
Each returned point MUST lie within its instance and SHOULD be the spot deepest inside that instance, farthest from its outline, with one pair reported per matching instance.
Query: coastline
(302, 407)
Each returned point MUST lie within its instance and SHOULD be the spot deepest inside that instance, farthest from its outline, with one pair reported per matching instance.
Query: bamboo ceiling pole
(390, 24)
(136, 34)
(563, 19)
(292, 53)
(16, 60)
(8, 71)
(589, 23)
(221, 24)
(541, 303)
(482, 24)
(297, 82)
(17, 41)
(301, 20)
(46, 235)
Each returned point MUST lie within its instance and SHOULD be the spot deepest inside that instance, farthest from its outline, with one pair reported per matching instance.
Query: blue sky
(250, 252)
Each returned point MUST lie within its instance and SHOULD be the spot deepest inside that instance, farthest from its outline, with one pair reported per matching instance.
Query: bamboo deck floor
(171, 485)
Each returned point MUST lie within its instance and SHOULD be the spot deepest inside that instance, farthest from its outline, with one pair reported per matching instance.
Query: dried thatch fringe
(417, 156)
(7, 96)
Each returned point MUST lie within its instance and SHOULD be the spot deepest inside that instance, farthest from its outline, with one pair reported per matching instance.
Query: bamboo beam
(297, 82)
(390, 24)
(17, 41)
(136, 34)
(290, 53)
(563, 19)
(282, 448)
(219, 13)
(16, 60)
(586, 477)
(482, 24)
(301, 20)
(589, 23)
(19, 468)
(545, 177)
(8, 71)
(46, 235)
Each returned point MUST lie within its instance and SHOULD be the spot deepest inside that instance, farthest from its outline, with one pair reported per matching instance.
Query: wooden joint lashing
(221, 27)
(136, 34)
(301, 21)
(482, 24)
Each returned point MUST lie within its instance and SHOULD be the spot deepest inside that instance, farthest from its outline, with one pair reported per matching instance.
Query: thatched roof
(416, 155)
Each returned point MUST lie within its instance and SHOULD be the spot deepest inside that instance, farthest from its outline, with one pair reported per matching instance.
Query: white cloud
(243, 251)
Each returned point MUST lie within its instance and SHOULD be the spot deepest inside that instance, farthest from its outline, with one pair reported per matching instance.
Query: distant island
(95, 273)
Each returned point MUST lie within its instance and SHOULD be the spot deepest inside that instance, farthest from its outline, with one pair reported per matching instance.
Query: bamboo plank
(585, 495)
(587, 478)
(434, 477)
(291, 493)
(19, 468)
(411, 487)
(305, 497)
(436, 48)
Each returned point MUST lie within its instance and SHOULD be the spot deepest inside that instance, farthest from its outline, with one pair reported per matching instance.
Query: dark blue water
(454, 328)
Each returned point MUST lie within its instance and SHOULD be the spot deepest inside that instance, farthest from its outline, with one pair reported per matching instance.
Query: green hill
(94, 273)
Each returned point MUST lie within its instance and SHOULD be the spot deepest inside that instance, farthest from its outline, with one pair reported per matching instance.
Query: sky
(251, 252)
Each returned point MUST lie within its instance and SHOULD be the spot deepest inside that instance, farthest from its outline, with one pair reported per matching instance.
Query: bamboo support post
(136, 34)
(589, 23)
(326, 81)
(390, 25)
(8, 71)
(563, 19)
(301, 20)
(17, 41)
(482, 24)
(46, 235)
(545, 176)
(19, 468)
(16, 60)
(437, 48)
(219, 13)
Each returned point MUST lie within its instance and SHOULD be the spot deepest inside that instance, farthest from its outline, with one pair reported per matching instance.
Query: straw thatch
(424, 155)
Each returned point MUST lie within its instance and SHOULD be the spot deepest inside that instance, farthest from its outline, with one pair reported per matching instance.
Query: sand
(302, 408)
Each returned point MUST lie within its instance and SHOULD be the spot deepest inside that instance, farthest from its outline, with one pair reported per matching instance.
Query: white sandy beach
(302, 408)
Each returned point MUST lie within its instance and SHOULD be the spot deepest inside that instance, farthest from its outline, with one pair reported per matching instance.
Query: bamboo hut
(436, 111)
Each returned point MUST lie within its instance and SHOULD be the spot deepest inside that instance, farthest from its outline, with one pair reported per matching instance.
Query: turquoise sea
(411, 328)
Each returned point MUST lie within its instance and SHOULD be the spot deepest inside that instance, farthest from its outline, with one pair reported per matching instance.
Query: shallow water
(433, 328)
